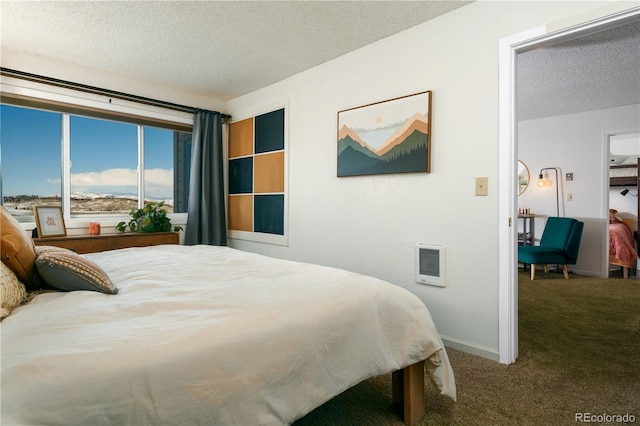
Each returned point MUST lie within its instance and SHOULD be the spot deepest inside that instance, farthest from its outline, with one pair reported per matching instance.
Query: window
(104, 157)
(158, 165)
(104, 163)
(30, 151)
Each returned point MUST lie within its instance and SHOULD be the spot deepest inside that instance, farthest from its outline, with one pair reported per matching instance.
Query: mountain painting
(386, 137)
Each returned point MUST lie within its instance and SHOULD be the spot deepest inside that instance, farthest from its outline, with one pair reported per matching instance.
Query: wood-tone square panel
(241, 213)
(241, 138)
(269, 173)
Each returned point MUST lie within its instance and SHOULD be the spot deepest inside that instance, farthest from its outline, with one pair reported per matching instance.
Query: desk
(527, 236)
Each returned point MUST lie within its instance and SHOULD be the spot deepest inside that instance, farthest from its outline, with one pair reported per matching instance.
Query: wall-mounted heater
(430, 264)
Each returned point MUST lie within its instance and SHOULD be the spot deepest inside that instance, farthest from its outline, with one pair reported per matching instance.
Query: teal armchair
(559, 245)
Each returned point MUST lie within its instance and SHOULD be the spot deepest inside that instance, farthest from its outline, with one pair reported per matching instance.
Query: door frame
(509, 48)
(606, 150)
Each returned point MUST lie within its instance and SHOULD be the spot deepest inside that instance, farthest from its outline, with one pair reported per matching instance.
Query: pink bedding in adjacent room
(622, 251)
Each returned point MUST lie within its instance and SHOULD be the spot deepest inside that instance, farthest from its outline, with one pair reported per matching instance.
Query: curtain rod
(99, 91)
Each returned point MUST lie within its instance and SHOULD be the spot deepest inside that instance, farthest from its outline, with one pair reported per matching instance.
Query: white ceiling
(221, 49)
(597, 71)
(224, 49)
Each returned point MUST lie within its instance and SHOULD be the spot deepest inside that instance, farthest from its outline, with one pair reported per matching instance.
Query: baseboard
(470, 348)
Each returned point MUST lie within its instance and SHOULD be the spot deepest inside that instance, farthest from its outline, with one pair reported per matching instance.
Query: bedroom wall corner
(371, 224)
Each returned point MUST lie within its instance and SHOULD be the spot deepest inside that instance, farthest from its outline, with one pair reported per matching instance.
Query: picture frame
(49, 221)
(392, 136)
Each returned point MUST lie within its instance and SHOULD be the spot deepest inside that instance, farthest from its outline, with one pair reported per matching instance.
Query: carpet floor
(579, 359)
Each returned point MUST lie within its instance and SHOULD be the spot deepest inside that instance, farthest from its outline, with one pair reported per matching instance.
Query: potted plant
(151, 218)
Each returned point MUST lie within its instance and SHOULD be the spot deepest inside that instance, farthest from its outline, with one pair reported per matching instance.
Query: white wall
(371, 224)
(575, 143)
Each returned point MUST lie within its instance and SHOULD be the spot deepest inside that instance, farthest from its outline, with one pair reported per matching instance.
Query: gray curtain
(206, 223)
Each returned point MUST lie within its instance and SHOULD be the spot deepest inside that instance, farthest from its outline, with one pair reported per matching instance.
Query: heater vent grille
(430, 264)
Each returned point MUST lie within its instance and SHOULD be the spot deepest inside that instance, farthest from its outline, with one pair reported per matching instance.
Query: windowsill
(80, 225)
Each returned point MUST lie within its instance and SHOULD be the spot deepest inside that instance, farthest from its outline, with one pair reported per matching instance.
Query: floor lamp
(542, 182)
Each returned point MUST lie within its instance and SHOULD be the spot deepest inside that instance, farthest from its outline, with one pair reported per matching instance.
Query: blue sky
(103, 155)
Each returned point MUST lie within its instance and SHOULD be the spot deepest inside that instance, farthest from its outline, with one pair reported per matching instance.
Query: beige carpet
(579, 353)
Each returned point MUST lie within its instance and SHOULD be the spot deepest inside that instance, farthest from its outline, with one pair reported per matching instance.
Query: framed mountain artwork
(385, 137)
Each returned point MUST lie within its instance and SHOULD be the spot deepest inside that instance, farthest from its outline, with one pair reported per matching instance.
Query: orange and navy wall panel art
(257, 174)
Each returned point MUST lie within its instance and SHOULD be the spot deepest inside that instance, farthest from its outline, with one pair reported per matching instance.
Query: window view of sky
(103, 156)
(31, 151)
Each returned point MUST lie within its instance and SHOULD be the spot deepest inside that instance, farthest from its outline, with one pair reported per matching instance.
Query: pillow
(612, 216)
(13, 291)
(18, 251)
(65, 270)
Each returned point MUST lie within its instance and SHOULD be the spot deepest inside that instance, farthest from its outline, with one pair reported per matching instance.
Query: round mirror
(523, 177)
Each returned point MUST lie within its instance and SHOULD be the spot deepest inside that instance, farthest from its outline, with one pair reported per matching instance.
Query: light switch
(482, 186)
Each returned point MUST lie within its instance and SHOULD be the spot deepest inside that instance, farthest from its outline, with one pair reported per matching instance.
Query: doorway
(508, 50)
(622, 154)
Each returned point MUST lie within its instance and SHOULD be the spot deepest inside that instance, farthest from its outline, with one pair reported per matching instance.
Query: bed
(623, 175)
(623, 171)
(622, 251)
(213, 335)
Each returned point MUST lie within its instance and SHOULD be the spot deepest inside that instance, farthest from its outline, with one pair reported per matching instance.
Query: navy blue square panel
(241, 176)
(268, 214)
(269, 131)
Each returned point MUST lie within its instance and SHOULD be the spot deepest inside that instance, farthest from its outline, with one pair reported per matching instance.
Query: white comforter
(208, 335)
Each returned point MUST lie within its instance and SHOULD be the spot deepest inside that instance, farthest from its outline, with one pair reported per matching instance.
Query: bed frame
(624, 180)
(407, 392)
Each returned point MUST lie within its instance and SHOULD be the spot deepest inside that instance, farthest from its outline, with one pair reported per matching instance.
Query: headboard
(630, 222)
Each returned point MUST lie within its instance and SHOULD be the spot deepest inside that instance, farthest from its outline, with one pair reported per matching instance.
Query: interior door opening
(621, 176)
(508, 148)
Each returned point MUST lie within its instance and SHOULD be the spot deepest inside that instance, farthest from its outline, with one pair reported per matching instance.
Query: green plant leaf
(151, 218)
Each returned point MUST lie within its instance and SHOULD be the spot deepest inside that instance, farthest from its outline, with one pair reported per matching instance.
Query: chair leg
(533, 271)
(564, 271)
(546, 269)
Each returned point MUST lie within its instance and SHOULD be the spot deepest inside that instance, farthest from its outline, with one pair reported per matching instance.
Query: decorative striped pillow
(68, 271)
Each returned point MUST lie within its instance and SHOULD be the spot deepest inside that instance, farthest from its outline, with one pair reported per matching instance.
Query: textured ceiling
(224, 49)
(221, 49)
(593, 72)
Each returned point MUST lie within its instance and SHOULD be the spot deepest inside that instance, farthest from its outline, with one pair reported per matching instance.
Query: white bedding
(208, 335)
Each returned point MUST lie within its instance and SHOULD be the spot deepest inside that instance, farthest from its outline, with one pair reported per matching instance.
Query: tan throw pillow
(18, 251)
(68, 271)
(13, 292)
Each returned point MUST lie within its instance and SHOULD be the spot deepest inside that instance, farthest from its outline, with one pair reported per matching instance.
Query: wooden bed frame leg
(407, 390)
